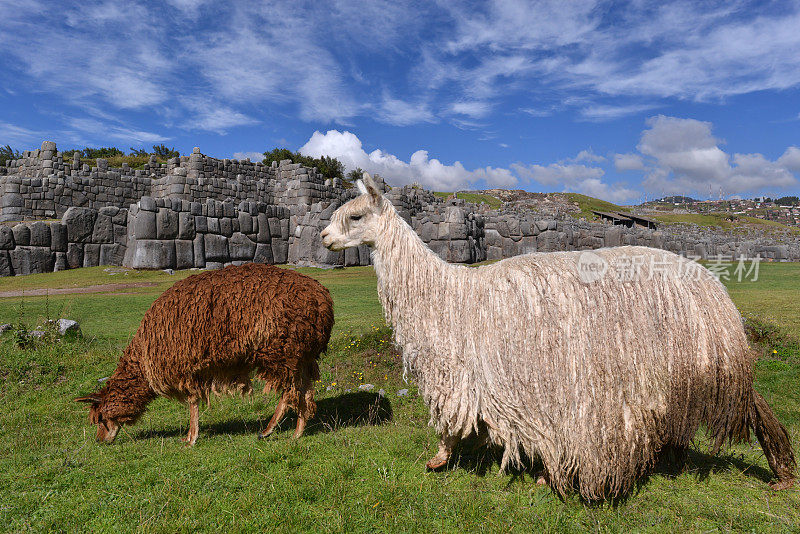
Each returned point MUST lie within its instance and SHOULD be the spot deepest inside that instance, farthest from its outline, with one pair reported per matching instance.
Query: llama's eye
(355, 217)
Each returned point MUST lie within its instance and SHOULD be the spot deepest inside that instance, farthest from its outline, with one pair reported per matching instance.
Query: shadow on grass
(360, 408)
(474, 455)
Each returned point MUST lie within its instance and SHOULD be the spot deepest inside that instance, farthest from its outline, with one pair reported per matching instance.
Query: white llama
(593, 371)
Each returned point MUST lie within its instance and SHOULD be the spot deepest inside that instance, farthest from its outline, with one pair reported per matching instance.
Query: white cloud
(575, 177)
(588, 155)
(475, 109)
(429, 172)
(686, 157)
(790, 159)
(600, 112)
(257, 57)
(101, 131)
(17, 136)
(628, 162)
(558, 174)
(401, 113)
(214, 117)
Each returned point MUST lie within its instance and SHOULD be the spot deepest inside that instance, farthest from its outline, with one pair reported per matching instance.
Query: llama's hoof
(541, 478)
(782, 484)
(436, 463)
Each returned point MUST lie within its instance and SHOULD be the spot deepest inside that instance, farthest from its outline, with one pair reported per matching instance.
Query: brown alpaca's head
(107, 426)
(359, 221)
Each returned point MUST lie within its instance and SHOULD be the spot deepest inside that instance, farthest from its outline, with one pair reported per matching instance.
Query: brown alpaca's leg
(194, 423)
(305, 412)
(280, 411)
(775, 443)
(446, 444)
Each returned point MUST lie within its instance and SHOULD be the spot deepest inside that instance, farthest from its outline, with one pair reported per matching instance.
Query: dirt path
(102, 288)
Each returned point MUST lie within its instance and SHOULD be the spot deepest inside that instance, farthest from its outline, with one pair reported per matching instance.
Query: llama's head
(99, 414)
(120, 402)
(358, 222)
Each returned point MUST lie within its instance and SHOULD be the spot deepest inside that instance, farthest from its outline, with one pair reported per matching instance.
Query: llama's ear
(88, 398)
(372, 189)
(361, 187)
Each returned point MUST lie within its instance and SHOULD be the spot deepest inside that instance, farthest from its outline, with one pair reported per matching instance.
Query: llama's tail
(775, 443)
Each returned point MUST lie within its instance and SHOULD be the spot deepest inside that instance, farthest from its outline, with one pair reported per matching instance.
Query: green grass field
(360, 465)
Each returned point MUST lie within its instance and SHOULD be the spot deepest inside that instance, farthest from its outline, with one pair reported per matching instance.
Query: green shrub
(7, 154)
(327, 166)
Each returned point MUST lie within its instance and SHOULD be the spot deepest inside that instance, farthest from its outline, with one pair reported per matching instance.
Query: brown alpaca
(209, 333)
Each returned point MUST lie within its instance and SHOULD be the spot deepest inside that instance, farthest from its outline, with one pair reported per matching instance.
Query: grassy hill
(588, 204)
(725, 221)
(359, 467)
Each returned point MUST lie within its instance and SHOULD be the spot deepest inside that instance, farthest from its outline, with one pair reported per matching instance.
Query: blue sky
(620, 100)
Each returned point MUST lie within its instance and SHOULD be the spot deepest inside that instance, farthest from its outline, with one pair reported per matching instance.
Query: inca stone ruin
(198, 211)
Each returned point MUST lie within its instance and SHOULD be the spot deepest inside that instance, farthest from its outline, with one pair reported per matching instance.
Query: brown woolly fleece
(209, 333)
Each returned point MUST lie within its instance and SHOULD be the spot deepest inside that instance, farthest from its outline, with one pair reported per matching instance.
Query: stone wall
(84, 237)
(177, 234)
(197, 211)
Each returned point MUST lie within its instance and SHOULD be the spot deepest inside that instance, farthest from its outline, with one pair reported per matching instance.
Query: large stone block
(459, 251)
(6, 238)
(103, 228)
(75, 255)
(91, 255)
(166, 224)
(21, 260)
(5, 264)
(216, 248)
(144, 225)
(199, 251)
(364, 255)
(226, 225)
(280, 250)
(60, 262)
(153, 254)
(264, 233)
(30, 260)
(111, 254)
(22, 235)
(184, 254)
(245, 222)
(11, 200)
(240, 247)
(263, 253)
(79, 223)
(458, 231)
(147, 204)
(58, 237)
(186, 228)
(351, 256)
(274, 226)
(613, 236)
(40, 234)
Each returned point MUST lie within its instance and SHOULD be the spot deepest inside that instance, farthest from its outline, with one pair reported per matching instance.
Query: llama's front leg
(194, 423)
(446, 444)
(305, 412)
(280, 411)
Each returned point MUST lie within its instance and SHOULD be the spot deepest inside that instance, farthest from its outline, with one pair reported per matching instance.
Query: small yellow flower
(774, 351)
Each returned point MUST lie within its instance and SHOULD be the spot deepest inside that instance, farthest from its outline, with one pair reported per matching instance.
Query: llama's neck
(127, 392)
(409, 273)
